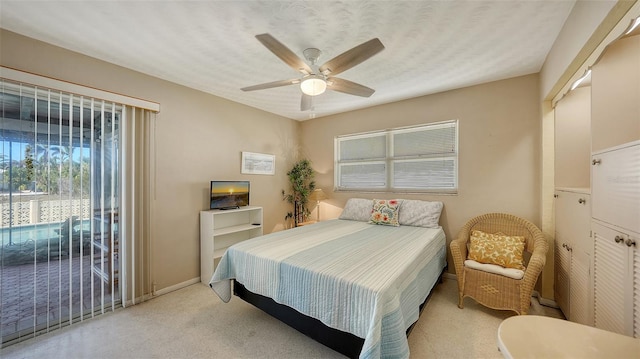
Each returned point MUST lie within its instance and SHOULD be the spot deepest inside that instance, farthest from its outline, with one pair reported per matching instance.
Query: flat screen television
(229, 194)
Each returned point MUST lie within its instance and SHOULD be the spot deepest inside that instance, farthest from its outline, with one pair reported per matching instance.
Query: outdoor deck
(58, 283)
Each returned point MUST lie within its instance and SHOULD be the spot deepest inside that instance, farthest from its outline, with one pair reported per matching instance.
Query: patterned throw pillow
(505, 251)
(357, 209)
(420, 213)
(385, 212)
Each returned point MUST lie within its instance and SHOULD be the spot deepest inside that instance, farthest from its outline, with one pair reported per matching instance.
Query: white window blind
(415, 159)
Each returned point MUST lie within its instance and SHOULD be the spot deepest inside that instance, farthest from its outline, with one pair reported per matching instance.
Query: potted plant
(302, 184)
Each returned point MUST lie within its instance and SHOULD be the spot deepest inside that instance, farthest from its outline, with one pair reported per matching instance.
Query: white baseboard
(162, 291)
(139, 300)
(452, 276)
(544, 301)
(177, 286)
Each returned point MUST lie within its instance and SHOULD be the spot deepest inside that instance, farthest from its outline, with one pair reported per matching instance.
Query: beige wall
(199, 138)
(584, 19)
(499, 160)
(573, 139)
(615, 95)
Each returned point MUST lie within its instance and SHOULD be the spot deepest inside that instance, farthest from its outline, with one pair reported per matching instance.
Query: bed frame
(342, 342)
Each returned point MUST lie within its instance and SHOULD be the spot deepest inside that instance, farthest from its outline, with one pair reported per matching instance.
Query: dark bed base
(342, 342)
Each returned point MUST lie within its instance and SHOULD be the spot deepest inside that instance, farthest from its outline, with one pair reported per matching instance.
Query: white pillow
(420, 213)
(357, 209)
(495, 269)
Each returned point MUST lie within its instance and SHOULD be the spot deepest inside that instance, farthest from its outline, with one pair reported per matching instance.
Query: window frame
(390, 160)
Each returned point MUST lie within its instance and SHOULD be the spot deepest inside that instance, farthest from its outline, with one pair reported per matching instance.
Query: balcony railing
(34, 209)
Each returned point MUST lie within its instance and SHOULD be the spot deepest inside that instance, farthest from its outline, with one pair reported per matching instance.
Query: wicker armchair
(493, 290)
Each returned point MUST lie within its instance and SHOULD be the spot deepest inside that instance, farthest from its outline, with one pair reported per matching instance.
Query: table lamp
(317, 195)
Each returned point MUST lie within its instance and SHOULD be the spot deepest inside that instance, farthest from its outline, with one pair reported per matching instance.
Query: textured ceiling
(431, 46)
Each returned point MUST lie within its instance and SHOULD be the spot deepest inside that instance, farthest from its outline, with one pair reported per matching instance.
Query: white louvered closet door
(615, 174)
(579, 287)
(562, 268)
(610, 280)
(573, 254)
(636, 290)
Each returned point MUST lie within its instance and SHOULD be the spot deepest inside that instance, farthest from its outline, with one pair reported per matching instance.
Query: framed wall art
(258, 164)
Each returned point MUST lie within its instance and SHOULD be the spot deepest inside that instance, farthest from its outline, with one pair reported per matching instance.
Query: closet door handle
(630, 242)
(618, 239)
(596, 161)
(582, 201)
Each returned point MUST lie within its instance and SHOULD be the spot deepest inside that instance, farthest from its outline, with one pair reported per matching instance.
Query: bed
(364, 281)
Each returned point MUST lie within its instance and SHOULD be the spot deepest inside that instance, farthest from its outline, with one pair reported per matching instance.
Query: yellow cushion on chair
(505, 251)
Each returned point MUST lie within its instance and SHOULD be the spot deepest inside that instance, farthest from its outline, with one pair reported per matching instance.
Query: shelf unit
(220, 229)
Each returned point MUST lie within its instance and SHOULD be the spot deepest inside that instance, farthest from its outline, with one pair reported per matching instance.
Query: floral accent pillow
(505, 251)
(385, 212)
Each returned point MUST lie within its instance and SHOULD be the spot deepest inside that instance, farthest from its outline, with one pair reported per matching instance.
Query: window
(411, 159)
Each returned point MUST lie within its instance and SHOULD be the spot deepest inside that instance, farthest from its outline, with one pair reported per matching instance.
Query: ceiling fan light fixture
(313, 85)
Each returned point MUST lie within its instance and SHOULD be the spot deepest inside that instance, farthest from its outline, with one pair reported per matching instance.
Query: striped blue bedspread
(365, 279)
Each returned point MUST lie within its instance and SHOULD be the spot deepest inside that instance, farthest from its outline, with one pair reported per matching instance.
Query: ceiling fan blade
(306, 103)
(284, 53)
(349, 87)
(269, 85)
(352, 57)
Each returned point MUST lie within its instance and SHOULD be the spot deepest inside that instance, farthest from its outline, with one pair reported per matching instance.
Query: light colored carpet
(194, 323)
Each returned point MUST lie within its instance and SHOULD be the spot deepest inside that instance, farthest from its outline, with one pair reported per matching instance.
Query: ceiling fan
(316, 79)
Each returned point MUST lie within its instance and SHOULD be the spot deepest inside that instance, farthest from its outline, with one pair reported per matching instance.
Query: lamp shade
(317, 195)
(313, 85)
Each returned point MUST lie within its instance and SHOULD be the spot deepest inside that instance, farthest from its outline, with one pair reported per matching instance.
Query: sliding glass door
(59, 202)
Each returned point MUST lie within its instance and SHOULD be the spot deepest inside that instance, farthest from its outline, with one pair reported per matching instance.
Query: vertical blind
(65, 207)
(420, 158)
